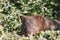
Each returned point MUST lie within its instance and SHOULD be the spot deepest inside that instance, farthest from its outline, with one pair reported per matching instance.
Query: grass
(43, 35)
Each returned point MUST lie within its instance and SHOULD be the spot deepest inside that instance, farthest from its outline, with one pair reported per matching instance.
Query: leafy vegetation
(11, 10)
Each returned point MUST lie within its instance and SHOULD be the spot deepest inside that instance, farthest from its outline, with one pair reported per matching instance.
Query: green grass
(47, 35)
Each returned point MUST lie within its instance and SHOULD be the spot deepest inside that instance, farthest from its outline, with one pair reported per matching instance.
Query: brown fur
(33, 24)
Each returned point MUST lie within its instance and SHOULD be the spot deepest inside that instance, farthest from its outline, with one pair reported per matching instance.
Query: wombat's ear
(23, 17)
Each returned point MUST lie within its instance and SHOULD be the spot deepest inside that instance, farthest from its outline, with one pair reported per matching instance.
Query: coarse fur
(34, 24)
